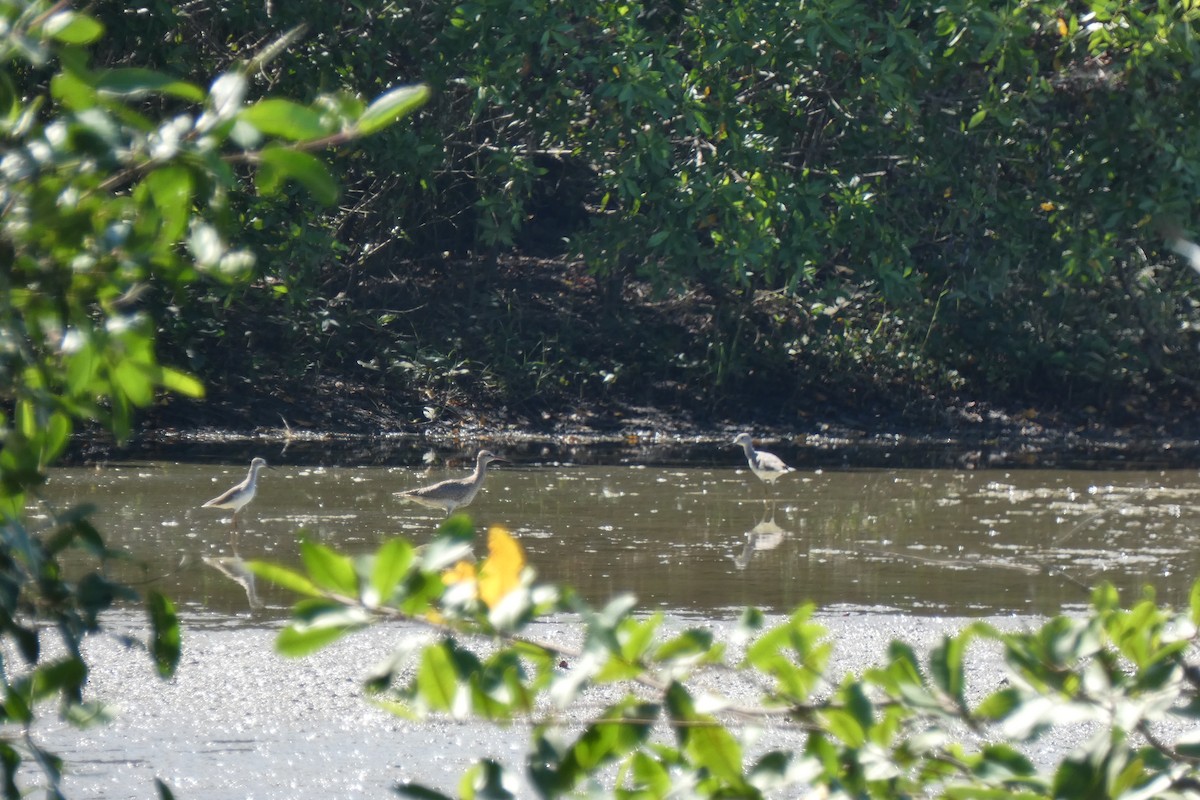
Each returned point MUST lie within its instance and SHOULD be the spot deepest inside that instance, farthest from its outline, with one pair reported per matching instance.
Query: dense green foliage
(113, 188)
(957, 196)
(911, 727)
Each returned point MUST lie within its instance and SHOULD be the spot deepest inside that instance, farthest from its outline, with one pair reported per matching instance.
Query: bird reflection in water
(234, 568)
(766, 535)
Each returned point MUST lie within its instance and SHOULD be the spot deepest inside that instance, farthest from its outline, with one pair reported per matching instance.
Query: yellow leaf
(1063, 30)
(462, 571)
(1048, 206)
(501, 572)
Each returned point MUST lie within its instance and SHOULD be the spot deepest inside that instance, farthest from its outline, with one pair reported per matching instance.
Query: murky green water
(685, 539)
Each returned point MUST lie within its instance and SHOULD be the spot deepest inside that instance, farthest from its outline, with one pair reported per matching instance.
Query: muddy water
(699, 540)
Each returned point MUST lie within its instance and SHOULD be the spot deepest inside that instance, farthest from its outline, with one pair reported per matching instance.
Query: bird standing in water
(237, 497)
(456, 492)
(768, 467)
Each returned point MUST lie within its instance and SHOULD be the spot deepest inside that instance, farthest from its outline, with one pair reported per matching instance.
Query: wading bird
(238, 496)
(456, 492)
(767, 466)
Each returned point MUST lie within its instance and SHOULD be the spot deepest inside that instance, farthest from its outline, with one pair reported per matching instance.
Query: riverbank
(970, 437)
(240, 721)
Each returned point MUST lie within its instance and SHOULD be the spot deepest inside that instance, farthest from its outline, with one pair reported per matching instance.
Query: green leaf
(27, 422)
(437, 678)
(71, 27)
(284, 577)
(280, 164)
(181, 383)
(976, 118)
(285, 119)
(317, 623)
(845, 726)
(420, 792)
(706, 742)
(58, 677)
(170, 189)
(392, 106)
(999, 704)
(165, 641)
(946, 667)
(687, 645)
(135, 381)
(296, 641)
(329, 569)
(135, 82)
(486, 780)
(164, 791)
(72, 91)
(392, 562)
(1003, 761)
(58, 433)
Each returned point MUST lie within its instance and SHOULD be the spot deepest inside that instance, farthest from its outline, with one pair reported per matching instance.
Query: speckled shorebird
(767, 466)
(456, 492)
(238, 496)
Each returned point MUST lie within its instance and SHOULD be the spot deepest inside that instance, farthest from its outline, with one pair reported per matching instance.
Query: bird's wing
(222, 498)
(771, 462)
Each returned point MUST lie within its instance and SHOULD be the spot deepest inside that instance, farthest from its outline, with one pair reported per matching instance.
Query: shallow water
(685, 539)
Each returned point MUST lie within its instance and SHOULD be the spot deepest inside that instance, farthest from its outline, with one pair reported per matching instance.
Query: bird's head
(487, 457)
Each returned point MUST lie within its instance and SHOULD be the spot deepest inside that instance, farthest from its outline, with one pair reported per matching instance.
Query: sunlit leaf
(284, 577)
(72, 91)
(393, 105)
(135, 381)
(329, 569)
(462, 572)
(501, 572)
(392, 562)
(686, 646)
(181, 383)
(437, 678)
(71, 27)
(317, 623)
(1194, 602)
(300, 641)
(285, 119)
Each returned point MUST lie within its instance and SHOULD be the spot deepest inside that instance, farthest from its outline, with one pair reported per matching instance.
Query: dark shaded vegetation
(723, 210)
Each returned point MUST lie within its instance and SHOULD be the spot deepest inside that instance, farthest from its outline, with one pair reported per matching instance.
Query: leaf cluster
(114, 199)
(912, 726)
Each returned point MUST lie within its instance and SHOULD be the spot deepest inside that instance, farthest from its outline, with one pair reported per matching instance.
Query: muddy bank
(969, 437)
(240, 721)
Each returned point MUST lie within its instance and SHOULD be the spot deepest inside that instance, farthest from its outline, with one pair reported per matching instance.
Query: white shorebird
(456, 492)
(767, 466)
(238, 496)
